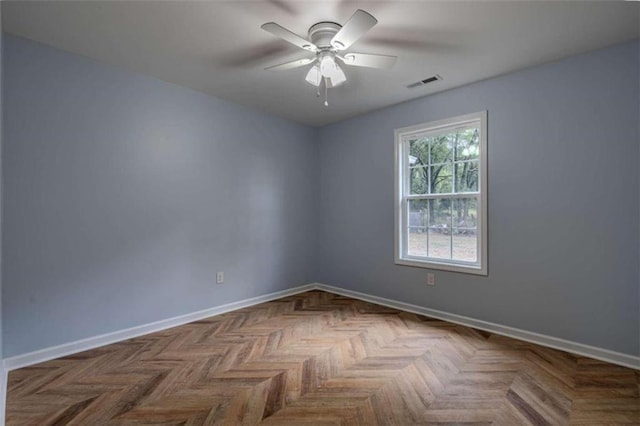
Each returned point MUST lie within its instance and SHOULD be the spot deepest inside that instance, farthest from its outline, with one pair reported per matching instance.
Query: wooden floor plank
(319, 358)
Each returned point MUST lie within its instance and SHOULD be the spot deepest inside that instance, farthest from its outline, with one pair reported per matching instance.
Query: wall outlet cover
(431, 279)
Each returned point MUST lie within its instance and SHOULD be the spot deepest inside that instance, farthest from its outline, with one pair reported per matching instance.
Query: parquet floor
(322, 359)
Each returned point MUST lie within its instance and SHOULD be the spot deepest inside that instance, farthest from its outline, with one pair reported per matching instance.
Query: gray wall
(124, 195)
(1, 227)
(563, 201)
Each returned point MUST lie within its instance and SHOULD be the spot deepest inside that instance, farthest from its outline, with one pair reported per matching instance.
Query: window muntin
(441, 194)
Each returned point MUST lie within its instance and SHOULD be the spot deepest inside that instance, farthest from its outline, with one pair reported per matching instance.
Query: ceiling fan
(326, 42)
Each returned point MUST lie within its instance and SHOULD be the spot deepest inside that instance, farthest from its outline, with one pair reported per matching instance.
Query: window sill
(474, 270)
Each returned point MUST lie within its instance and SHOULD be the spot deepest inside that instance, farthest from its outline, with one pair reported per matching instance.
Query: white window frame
(401, 195)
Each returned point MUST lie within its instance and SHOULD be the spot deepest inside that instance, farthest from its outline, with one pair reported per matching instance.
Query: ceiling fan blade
(293, 64)
(359, 23)
(287, 35)
(369, 60)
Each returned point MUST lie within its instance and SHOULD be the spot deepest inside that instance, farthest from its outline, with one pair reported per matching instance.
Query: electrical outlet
(431, 279)
(219, 277)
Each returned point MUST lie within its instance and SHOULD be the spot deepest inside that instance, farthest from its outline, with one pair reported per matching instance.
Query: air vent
(425, 81)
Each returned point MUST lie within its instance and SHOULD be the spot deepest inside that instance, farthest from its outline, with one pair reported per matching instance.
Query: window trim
(400, 171)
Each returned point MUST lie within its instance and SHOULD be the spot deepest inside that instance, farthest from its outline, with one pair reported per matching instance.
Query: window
(441, 194)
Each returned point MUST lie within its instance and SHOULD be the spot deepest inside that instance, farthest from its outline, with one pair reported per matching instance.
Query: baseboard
(46, 354)
(528, 336)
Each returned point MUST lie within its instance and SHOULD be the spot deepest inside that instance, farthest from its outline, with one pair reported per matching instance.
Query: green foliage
(443, 164)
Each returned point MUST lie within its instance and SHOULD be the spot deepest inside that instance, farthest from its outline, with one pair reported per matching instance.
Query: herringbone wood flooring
(318, 358)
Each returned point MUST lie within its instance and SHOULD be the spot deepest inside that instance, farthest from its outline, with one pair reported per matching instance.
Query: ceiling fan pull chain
(326, 89)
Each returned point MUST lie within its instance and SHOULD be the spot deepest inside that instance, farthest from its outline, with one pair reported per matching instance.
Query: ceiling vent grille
(425, 81)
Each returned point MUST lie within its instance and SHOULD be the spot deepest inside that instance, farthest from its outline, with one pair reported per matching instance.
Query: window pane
(418, 210)
(442, 148)
(468, 144)
(417, 244)
(419, 180)
(418, 213)
(419, 152)
(465, 247)
(465, 229)
(439, 214)
(465, 213)
(441, 178)
(466, 176)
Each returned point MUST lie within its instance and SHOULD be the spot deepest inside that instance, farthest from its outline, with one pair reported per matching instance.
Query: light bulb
(313, 76)
(330, 69)
(327, 65)
(337, 77)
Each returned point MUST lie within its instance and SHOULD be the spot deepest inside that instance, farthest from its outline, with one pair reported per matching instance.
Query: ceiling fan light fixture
(327, 65)
(330, 69)
(337, 77)
(313, 76)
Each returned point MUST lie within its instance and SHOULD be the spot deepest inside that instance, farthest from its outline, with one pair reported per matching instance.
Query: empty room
(320, 212)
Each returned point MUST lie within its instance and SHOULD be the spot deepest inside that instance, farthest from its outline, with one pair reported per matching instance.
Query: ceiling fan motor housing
(321, 34)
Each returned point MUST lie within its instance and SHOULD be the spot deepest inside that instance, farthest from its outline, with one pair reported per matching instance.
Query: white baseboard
(46, 354)
(528, 336)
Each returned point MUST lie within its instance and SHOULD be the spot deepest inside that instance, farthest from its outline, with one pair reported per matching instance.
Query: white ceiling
(218, 47)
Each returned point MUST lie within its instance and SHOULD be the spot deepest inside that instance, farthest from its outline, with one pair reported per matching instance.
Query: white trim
(400, 210)
(65, 349)
(444, 266)
(503, 330)
(47, 354)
